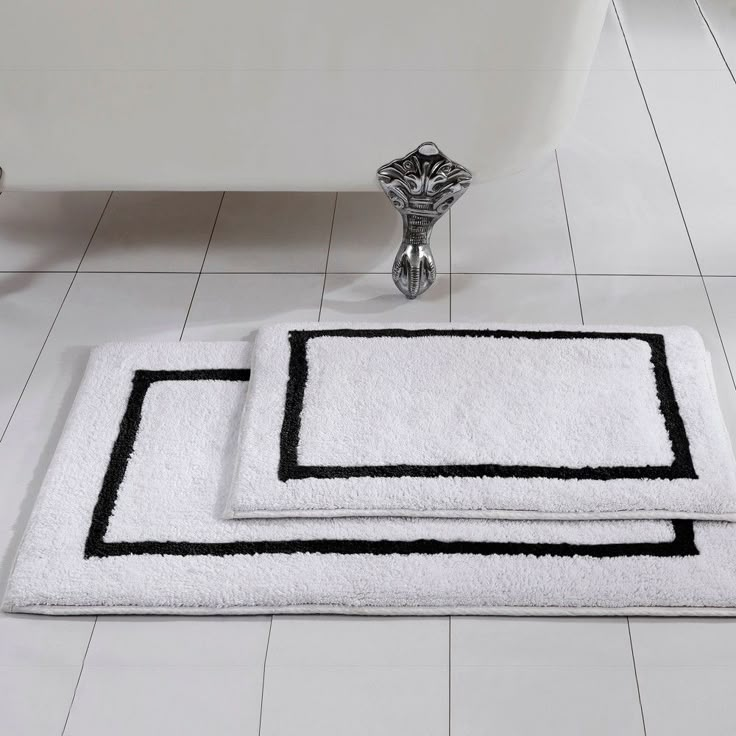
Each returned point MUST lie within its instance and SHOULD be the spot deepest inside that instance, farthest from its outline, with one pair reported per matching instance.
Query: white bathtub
(281, 94)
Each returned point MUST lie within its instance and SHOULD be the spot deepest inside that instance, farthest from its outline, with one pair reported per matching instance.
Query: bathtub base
(422, 186)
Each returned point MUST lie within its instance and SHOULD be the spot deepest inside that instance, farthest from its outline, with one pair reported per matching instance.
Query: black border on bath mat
(682, 545)
(290, 469)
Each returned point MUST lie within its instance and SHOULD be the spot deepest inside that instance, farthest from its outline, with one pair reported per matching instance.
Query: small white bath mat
(475, 421)
(129, 521)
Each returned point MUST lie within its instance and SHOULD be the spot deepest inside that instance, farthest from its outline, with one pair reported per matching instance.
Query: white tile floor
(633, 221)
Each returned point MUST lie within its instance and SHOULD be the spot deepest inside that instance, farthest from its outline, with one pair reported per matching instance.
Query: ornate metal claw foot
(422, 186)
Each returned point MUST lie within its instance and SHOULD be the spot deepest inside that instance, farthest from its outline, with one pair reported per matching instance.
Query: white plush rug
(130, 521)
(475, 421)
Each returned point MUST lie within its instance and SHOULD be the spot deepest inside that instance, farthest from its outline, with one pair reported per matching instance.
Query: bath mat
(129, 521)
(476, 421)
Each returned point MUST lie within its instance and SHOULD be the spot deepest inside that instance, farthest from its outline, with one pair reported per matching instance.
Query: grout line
(23, 270)
(648, 275)
(263, 677)
(569, 236)
(208, 273)
(715, 39)
(56, 317)
(327, 258)
(508, 273)
(579, 273)
(204, 258)
(212, 233)
(81, 669)
(384, 273)
(259, 273)
(94, 232)
(303, 68)
(121, 273)
(35, 362)
(636, 676)
(674, 190)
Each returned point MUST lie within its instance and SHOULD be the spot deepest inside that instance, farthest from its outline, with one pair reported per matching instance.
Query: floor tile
(165, 641)
(514, 224)
(272, 232)
(668, 34)
(153, 231)
(191, 701)
(361, 701)
(514, 298)
(661, 642)
(656, 300)
(375, 298)
(39, 641)
(682, 701)
(230, 306)
(103, 307)
(342, 641)
(661, 300)
(621, 207)
(545, 642)
(721, 18)
(380, 675)
(29, 304)
(47, 231)
(545, 701)
(695, 116)
(368, 231)
(34, 701)
(722, 292)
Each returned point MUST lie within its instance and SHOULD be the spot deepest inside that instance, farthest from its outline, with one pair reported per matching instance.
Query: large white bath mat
(482, 422)
(129, 521)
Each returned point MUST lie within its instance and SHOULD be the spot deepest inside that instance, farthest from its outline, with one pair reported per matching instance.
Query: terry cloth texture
(129, 521)
(482, 421)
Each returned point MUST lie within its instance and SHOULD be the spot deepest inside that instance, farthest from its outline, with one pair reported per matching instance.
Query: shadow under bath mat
(482, 421)
(129, 521)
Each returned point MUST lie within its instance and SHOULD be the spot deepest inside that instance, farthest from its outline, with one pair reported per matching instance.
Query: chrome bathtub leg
(422, 186)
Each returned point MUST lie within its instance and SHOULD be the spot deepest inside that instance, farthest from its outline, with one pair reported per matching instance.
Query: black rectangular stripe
(291, 469)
